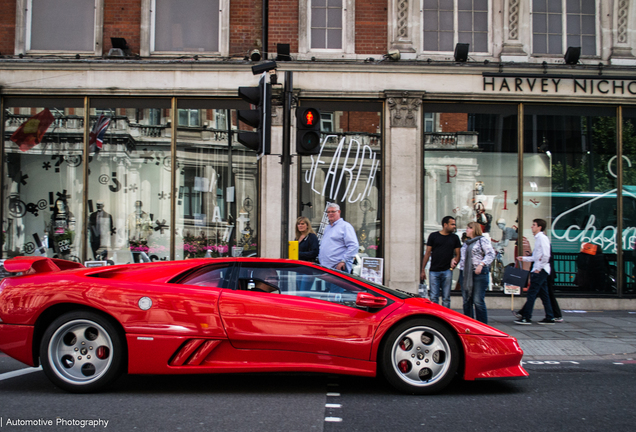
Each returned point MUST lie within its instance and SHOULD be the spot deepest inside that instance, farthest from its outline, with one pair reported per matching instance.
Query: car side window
(208, 276)
(300, 281)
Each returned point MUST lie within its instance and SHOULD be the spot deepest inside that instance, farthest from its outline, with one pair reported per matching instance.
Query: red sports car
(86, 326)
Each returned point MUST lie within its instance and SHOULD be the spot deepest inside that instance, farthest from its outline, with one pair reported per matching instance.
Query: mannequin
(100, 226)
(139, 229)
(62, 229)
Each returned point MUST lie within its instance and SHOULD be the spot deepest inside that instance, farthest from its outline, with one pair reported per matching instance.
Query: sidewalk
(583, 334)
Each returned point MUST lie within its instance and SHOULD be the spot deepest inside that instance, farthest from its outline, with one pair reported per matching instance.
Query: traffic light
(259, 118)
(307, 131)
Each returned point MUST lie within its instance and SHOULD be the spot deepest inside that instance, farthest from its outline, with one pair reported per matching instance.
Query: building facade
(119, 125)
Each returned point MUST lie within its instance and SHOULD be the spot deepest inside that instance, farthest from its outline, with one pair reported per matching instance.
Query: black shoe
(523, 321)
(547, 321)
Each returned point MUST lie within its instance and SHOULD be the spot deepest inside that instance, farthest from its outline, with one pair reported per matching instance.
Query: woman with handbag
(476, 256)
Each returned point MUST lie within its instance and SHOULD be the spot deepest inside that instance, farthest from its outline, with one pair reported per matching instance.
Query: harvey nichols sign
(560, 84)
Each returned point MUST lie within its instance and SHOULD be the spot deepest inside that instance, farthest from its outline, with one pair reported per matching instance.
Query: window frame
(23, 31)
(147, 36)
(564, 34)
(305, 51)
(490, 44)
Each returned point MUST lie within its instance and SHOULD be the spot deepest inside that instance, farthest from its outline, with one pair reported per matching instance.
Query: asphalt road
(583, 395)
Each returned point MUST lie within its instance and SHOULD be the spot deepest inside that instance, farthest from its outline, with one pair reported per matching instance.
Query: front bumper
(492, 357)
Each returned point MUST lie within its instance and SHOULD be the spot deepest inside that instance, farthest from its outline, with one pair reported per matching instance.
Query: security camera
(263, 67)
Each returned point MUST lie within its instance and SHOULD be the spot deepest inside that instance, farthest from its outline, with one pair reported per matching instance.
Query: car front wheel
(82, 352)
(420, 356)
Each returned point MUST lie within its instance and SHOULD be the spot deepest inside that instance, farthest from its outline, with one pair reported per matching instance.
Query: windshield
(399, 294)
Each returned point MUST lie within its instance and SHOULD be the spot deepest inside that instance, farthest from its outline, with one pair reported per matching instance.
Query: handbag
(516, 276)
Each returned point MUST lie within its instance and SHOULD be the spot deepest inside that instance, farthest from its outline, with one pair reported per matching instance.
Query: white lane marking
(333, 394)
(619, 363)
(333, 406)
(19, 372)
(333, 419)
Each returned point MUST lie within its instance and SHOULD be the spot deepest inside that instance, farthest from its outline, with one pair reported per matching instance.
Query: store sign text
(554, 85)
(606, 237)
(349, 165)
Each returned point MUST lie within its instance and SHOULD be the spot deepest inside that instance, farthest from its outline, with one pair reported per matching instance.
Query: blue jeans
(441, 280)
(478, 299)
(538, 286)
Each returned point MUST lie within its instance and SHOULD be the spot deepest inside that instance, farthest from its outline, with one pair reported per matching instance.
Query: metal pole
(286, 162)
(174, 117)
(620, 266)
(2, 157)
(87, 132)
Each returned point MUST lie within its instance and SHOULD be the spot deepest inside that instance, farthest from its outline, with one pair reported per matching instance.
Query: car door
(312, 311)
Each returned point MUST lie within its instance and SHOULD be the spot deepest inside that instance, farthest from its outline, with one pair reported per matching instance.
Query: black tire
(419, 356)
(82, 352)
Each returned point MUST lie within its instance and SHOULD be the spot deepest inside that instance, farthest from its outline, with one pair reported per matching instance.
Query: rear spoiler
(34, 265)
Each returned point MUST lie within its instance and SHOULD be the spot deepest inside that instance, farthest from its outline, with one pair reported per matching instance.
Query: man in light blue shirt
(339, 244)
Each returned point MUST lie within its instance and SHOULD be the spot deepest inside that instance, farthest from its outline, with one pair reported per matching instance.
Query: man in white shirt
(539, 276)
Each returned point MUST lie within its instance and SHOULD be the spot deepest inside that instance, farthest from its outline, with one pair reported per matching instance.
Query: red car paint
(203, 329)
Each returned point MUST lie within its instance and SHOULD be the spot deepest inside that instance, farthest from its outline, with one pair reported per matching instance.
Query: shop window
(570, 181)
(43, 183)
(448, 22)
(347, 171)
(327, 27)
(129, 182)
(201, 26)
(470, 165)
(559, 24)
(73, 26)
(217, 183)
(629, 201)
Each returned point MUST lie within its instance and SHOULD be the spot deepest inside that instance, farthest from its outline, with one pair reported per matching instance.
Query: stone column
(270, 191)
(403, 190)
(621, 47)
(512, 49)
(404, 27)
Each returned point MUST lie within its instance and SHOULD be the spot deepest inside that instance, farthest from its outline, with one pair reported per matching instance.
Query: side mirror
(369, 300)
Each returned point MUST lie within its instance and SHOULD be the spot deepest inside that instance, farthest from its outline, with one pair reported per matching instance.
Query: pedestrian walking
(474, 267)
(538, 277)
(442, 248)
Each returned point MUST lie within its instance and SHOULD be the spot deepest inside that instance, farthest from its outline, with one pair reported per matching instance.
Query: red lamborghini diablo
(87, 326)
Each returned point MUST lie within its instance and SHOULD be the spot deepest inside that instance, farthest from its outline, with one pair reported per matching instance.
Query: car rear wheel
(82, 352)
(420, 356)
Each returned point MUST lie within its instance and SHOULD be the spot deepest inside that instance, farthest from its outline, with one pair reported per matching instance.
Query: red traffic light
(309, 118)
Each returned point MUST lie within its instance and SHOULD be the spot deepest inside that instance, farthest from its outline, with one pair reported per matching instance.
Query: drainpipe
(265, 28)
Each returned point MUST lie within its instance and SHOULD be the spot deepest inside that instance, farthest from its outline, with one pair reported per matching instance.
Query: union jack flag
(96, 137)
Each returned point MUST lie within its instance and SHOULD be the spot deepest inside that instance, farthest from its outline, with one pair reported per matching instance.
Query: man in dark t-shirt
(441, 247)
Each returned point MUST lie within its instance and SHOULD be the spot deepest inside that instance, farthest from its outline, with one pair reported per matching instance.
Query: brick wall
(122, 18)
(246, 18)
(359, 121)
(371, 27)
(283, 25)
(453, 122)
(7, 27)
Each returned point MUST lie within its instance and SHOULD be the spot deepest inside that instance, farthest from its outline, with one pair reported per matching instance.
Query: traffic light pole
(286, 161)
